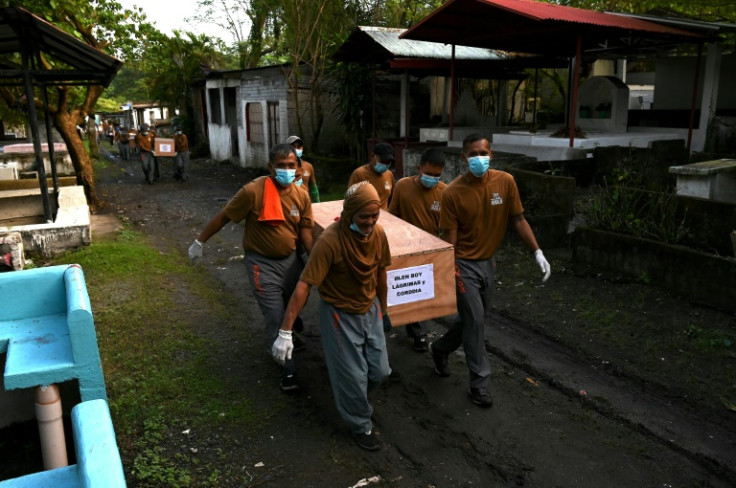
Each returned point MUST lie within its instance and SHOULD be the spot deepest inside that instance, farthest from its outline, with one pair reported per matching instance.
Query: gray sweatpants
(357, 360)
(181, 161)
(473, 287)
(147, 164)
(272, 282)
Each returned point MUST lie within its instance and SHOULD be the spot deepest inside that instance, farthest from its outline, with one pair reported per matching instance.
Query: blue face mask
(299, 182)
(478, 165)
(380, 168)
(429, 182)
(299, 152)
(354, 227)
(285, 177)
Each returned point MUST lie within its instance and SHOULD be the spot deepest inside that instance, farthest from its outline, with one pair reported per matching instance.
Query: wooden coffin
(421, 278)
(164, 147)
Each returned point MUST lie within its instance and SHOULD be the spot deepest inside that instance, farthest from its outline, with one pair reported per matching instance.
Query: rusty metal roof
(542, 28)
(74, 62)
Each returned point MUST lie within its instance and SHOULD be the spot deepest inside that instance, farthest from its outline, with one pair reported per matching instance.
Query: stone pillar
(15, 243)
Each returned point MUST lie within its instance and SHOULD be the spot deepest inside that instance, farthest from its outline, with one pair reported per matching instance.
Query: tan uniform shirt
(326, 269)
(181, 143)
(145, 143)
(383, 183)
(479, 209)
(308, 176)
(413, 203)
(265, 239)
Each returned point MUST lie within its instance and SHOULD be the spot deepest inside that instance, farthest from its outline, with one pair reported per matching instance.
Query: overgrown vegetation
(637, 212)
(157, 369)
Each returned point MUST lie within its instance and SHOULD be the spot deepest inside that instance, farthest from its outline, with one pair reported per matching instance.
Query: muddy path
(544, 429)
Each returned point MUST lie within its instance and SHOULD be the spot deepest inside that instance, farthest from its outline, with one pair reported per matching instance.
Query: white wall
(219, 137)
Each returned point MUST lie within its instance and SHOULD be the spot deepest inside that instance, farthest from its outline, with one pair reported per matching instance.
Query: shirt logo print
(496, 200)
(435, 207)
(294, 211)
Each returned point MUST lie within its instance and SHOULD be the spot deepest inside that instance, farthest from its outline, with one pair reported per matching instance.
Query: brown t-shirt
(181, 143)
(479, 209)
(145, 143)
(383, 183)
(308, 176)
(337, 285)
(415, 204)
(265, 239)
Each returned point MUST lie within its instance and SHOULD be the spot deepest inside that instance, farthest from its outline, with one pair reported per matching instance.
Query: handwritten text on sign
(408, 285)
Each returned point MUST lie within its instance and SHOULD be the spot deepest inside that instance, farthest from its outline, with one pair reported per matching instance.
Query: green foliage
(708, 340)
(153, 467)
(636, 212)
(158, 370)
(353, 93)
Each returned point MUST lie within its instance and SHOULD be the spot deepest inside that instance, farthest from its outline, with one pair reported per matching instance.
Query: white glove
(543, 264)
(195, 250)
(282, 346)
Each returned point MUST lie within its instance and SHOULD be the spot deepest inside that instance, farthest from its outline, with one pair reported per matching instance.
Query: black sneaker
(420, 344)
(480, 396)
(299, 344)
(367, 441)
(410, 331)
(288, 383)
(440, 362)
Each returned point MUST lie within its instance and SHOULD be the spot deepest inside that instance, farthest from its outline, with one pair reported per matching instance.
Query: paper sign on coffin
(421, 278)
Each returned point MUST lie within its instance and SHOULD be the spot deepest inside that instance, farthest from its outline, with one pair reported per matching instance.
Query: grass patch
(159, 371)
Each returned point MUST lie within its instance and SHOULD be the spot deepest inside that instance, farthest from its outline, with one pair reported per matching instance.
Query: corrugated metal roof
(549, 11)
(76, 62)
(388, 38)
(541, 28)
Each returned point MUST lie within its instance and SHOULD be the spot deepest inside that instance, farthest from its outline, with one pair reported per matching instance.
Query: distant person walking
(121, 137)
(377, 172)
(416, 200)
(181, 160)
(348, 267)
(476, 209)
(309, 177)
(145, 141)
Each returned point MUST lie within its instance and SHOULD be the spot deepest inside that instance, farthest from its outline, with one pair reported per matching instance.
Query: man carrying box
(348, 267)
(416, 200)
(145, 142)
(181, 160)
(476, 208)
(277, 214)
(377, 173)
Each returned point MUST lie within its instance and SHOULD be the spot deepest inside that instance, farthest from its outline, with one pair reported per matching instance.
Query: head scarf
(361, 253)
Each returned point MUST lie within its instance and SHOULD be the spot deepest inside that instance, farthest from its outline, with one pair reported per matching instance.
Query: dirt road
(558, 420)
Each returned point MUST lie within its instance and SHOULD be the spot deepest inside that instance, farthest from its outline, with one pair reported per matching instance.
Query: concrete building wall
(674, 83)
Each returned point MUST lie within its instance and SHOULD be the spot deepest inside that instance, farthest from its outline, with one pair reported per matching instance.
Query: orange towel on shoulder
(271, 212)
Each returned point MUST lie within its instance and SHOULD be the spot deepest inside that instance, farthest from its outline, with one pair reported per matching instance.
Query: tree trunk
(65, 123)
(94, 150)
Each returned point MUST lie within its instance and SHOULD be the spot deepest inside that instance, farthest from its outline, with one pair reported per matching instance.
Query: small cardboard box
(421, 278)
(164, 147)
